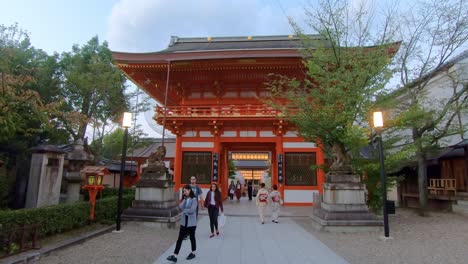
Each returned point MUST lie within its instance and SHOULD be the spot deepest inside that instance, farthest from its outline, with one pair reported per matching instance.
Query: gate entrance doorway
(245, 162)
(252, 168)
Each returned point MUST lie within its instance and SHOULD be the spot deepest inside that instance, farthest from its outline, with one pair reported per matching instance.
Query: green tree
(112, 143)
(347, 65)
(138, 104)
(92, 86)
(29, 103)
(24, 114)
(432, 34)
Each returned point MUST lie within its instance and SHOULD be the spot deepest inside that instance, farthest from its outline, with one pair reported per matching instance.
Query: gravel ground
(438, 238)
(139, 243)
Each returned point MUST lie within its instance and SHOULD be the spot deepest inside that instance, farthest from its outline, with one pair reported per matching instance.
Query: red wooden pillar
(178, 163)
(320, 173)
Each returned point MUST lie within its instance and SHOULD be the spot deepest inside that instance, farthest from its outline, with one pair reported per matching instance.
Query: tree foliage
(92, 86)
(112, 143)
(346, 66)
(432, 33)
(26, 111)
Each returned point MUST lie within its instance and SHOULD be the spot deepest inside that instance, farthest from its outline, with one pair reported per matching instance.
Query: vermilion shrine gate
(214, 106)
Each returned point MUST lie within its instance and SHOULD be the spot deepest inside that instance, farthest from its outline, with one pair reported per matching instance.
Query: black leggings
(213, 213)
(182, 233)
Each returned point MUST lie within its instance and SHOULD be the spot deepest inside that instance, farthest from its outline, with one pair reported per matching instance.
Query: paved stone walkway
(245, 240)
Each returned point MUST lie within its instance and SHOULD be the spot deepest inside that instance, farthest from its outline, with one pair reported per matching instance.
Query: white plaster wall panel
(197, 144)
(229, 134)
(248, 133)
(267, 134)
(299, 145)
(190, 134)
(205, 134)
(299, 196)
(291, 134)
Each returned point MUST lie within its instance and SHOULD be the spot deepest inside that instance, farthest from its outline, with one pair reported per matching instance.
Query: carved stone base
(155, 200)
(343, 208)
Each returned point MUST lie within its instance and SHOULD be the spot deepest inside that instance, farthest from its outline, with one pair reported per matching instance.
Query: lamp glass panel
(91, 180)
(99, 180)
(378, 119)
(127, 120)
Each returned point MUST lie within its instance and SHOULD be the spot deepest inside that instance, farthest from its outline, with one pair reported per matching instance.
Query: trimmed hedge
(109, 192)
(63, 217)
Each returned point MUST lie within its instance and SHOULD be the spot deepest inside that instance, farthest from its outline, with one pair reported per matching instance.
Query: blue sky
(144, 25)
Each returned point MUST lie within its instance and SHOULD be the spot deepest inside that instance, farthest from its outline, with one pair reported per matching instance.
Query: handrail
(444, 185)
(218, 111)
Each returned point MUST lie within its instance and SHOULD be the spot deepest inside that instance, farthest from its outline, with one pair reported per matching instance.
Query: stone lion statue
(157, 157)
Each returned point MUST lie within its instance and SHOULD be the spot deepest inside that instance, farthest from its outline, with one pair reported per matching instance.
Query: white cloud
(146, 25)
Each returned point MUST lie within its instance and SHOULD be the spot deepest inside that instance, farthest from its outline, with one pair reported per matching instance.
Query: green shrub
(109, 192)
(63, 217)
(6, 183)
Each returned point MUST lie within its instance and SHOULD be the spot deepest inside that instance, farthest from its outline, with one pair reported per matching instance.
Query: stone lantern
(77, 159)
(93, 184)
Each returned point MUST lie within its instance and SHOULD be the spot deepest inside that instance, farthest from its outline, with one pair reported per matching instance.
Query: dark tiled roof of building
(177, 44)
(145, 152)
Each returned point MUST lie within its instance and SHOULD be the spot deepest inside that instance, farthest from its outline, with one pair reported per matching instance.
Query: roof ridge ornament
(174, 40)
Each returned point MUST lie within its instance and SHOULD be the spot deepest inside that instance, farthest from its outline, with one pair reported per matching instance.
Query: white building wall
(299, 196)
(436, 95)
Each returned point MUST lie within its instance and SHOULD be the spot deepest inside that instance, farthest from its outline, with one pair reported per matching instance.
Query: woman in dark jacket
(188, 222)
(214, 202)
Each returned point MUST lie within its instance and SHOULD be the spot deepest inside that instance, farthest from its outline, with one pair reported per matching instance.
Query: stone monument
(77, 159)
(45, 176)
(343, 207)
(155, 198)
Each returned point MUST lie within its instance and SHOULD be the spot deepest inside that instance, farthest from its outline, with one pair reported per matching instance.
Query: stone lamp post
(77, 159)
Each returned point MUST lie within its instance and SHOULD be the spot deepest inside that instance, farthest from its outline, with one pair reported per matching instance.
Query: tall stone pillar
(343, 207)
(77, 159)
(45, 176)
(155, 198)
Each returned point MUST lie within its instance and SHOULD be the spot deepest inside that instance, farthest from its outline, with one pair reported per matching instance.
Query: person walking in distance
(262, 201)
(196, 190)
(238, 191)
(275, 197)
(249, 190)
(188, 222)
(232, 189)
(214, 202)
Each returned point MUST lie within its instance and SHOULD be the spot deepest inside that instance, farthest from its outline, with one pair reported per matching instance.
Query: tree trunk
(422, 184)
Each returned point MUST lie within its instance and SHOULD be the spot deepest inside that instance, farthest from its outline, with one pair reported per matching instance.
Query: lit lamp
(93, 184)
(378, 125)
(126, 123)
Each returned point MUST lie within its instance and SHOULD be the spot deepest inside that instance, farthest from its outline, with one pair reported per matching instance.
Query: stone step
(462, 202)
(462, 194)
(461, 209)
